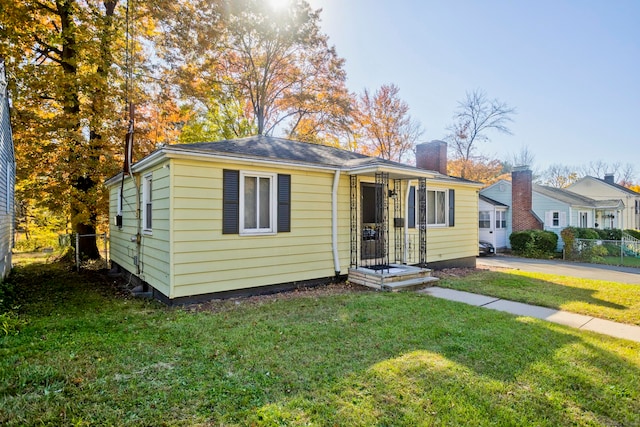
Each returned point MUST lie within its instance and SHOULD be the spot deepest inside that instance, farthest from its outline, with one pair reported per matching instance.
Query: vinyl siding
(154, 249)
(205, 260)
(187, 253)
(501, 192)
(599, 190)
(7, 183)
(449, 243)
(460, 241)
(542, 204)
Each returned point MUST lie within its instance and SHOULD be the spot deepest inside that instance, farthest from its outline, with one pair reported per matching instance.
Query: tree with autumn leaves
(384, 124)
(60, 56)
(67, 64)
(194, 69)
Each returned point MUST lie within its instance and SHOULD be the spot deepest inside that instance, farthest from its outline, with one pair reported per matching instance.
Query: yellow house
(260, 214)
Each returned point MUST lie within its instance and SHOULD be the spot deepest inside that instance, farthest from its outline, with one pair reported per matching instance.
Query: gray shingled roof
(273, 148)
(619, 187)
(573, 198)
(491, 201)
(563, 195)
(269, 147)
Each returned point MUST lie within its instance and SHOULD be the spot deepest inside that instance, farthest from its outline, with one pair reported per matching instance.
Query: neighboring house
(7, 178)
(546, 208)
(602, 189)
(257, 214)
(494, 220)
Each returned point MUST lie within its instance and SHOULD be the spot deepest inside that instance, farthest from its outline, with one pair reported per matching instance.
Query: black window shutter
(412, 208)
(230, 201)
(284, 203)
(452, 208)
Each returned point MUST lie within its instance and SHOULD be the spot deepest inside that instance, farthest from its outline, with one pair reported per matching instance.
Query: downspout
(138, 237)
(405, 257)
(334, 222)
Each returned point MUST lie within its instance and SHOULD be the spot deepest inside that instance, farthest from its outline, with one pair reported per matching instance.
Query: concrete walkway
(580, 321)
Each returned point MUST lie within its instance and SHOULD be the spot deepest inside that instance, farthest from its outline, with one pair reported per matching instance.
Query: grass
(627, 261)
(89, 356)
(607, 300)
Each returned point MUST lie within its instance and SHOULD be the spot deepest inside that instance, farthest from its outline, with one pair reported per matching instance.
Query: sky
(570, 68)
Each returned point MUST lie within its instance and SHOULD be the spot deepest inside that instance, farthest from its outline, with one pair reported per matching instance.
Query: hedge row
(534, 243)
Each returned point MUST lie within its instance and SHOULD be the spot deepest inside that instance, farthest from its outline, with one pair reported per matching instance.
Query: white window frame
(147, 203)
(555, 216)
(486, 220)
(273, 205)
(501, 220)
(446, 208)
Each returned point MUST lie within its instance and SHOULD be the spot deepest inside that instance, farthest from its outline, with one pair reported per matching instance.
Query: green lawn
(88, 356)
(607, 300)
(627, 261)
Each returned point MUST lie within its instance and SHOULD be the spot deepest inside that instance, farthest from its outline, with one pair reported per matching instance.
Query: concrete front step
(409, 284)
(395, 278)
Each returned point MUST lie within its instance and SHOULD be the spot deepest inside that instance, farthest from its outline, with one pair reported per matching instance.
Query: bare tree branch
(474, 117)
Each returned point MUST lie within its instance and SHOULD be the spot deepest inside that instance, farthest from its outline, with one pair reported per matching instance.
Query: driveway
(564, 268)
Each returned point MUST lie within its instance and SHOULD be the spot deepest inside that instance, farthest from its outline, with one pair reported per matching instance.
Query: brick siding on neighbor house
(521, 201)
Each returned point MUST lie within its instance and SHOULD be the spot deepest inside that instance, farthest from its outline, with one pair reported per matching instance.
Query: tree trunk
(87, 245)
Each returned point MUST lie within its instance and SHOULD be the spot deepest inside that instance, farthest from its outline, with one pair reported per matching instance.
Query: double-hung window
(257, 204)
(555, 219)
(440, 207)
(147, 203)
(436, 207)
(501, 219)
(484, 219)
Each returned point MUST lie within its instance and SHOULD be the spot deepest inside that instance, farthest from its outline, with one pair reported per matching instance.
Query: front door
(373, 239)
(500, 223)
(485, 224)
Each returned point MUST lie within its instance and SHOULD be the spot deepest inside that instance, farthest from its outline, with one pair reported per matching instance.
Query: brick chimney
(609, 178)
(522, 214)
(432, 156)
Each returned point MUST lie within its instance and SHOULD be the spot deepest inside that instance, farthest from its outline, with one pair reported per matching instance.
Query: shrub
(546, 241)
(519, 240)
(534, 243)
(569, 235)
(612, 249)
(594, 253)
(587, 233)
(609, 234)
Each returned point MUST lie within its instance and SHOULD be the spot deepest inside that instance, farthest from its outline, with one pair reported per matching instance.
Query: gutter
(334, 222)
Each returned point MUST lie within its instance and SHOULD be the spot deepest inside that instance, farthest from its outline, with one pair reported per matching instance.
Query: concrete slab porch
(396, 277)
